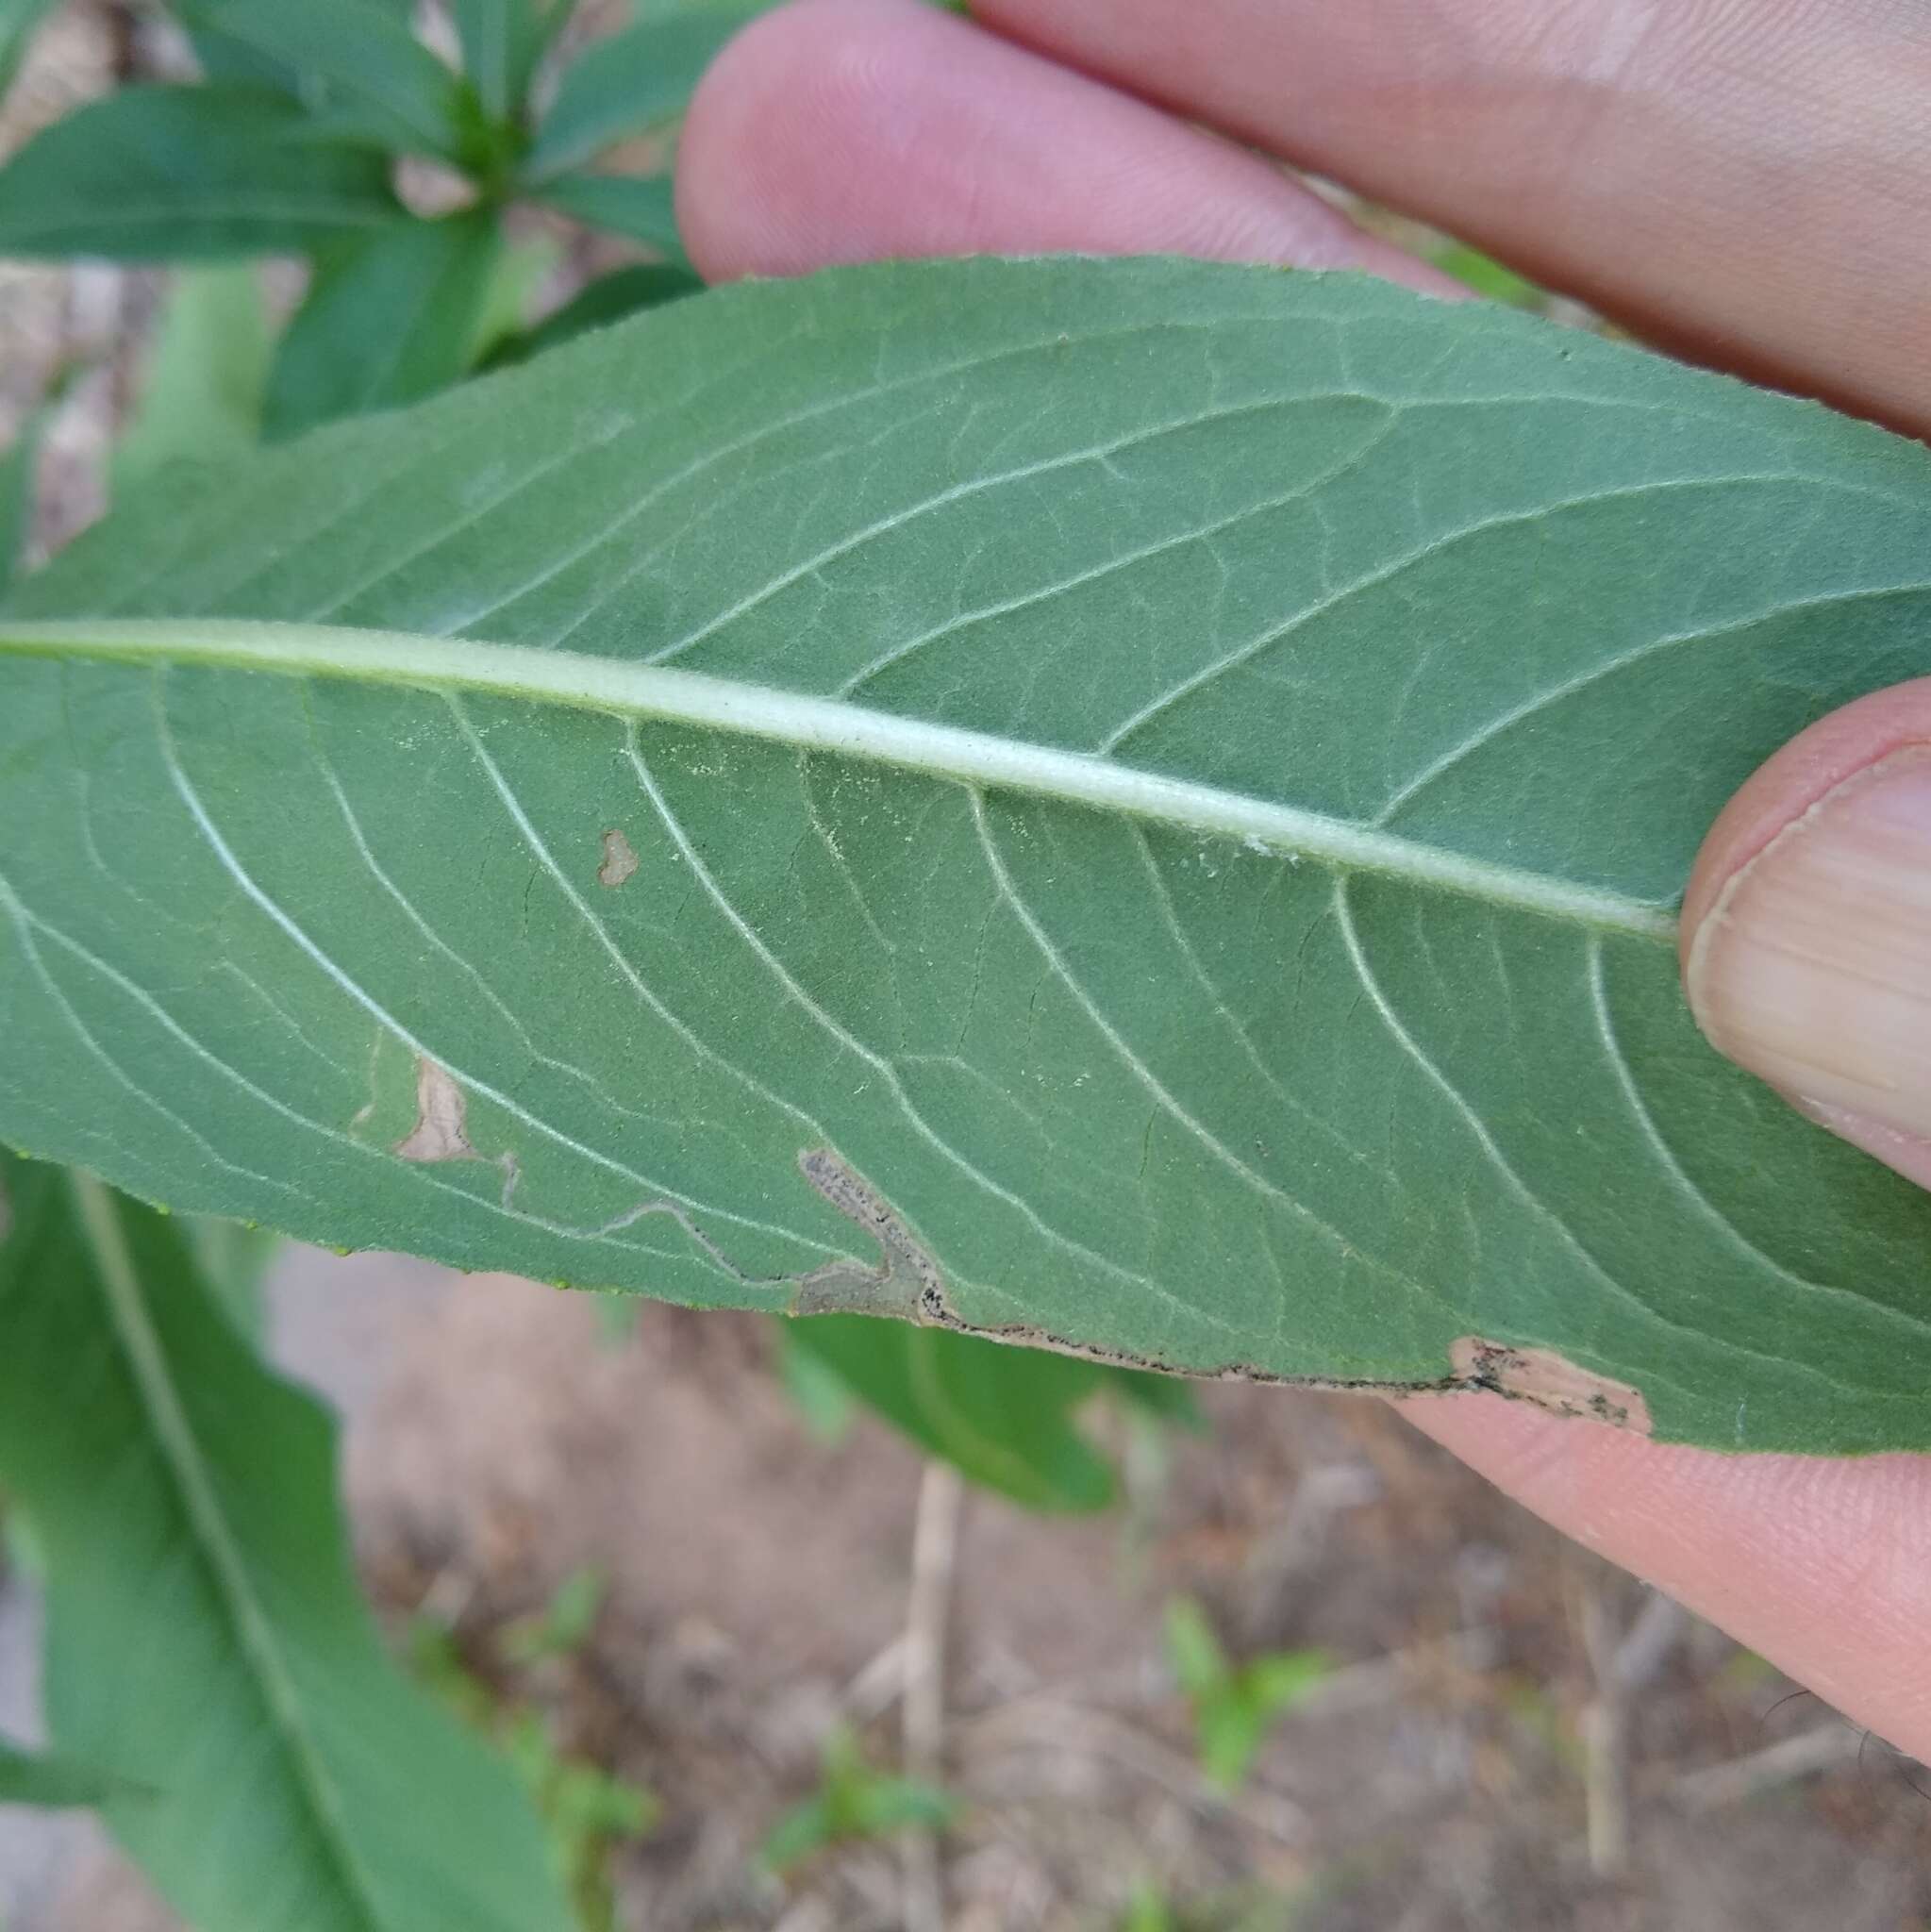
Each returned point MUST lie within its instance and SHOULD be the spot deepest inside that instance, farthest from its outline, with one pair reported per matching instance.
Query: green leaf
(502, 42)
(233, 1258)
(522, 268)
(154, 174)
(221, 57)
(820, 1392)
(206, 1642)
(46, 1780)
(1138, 804)
(365, 55)
(1234, 1708)
(623, 292)
(629, 82)
(19, 20)
(854, 1801)
(1148, 1911)
(1200, 1665)
(1002, 1415)
(388, 319)
(566, 1622)
(1160, 1396)
(200, 398)
(641, 206)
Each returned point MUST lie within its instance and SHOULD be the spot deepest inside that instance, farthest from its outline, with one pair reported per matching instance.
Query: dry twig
(935, 1542)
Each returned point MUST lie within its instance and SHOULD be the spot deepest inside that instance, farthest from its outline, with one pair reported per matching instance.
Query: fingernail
(1814, 967)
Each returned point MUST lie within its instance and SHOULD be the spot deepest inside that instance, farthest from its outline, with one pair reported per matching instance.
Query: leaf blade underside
(792, 1012)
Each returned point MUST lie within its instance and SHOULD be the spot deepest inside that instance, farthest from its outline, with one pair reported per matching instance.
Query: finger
(1822, 1567)
(852, 130)
(1748, 178)
(1806, 930)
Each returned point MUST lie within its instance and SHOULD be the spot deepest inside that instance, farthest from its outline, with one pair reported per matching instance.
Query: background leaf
(157, 173)
(1173, 849)
(200, 397)
(205, 1641)
(641, 206)
(502, 42)
(44, 1780)
(223, 57)
(233, 1259)
(623, 292)
(630, 81)
(388, 319)
(374, 66)
(1002, 1415)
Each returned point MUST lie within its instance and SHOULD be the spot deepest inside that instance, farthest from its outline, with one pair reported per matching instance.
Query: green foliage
(1174, 850)
(1149, 1911)
(388, 319)
(1243, 1908)
(381, 82)
(854, 1801)
(207, 1650)
(1003, 1415)
(233, 1258)
(1235, 1705)
(49, 1782)
(201, 396)
(565, 1625)
(503, 42)
(588, 1812)
(610, 298)
(1488, 277)
(629, 83)
(159, 173)
(823, 1397)
(642, 207)
(288, 147)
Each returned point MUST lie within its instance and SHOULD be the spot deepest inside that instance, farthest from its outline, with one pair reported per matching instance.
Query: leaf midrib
(980, 760)
(134, 1332)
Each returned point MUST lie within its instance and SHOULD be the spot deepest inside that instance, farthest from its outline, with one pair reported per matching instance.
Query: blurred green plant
(1234, 1705)
(1489, 277)
(211, 1672)
(563, 1627)
(588, 1813)
(1242, 1908)
(1537, 1712)
(854, 1800)
(1148, 1911)
(290, 144)
(1005, 1417)
(48, 1781)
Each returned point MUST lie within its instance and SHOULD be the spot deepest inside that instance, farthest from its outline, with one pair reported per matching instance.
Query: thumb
(1807, 929)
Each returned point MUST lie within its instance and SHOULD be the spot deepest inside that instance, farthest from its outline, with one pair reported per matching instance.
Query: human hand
(1747, 182)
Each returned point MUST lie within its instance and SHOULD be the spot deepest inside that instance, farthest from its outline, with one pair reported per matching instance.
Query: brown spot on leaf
(619, 860)
(1549, 1380)
(441, 1107)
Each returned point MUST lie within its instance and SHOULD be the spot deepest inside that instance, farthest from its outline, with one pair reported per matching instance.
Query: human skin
(1745, 182)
